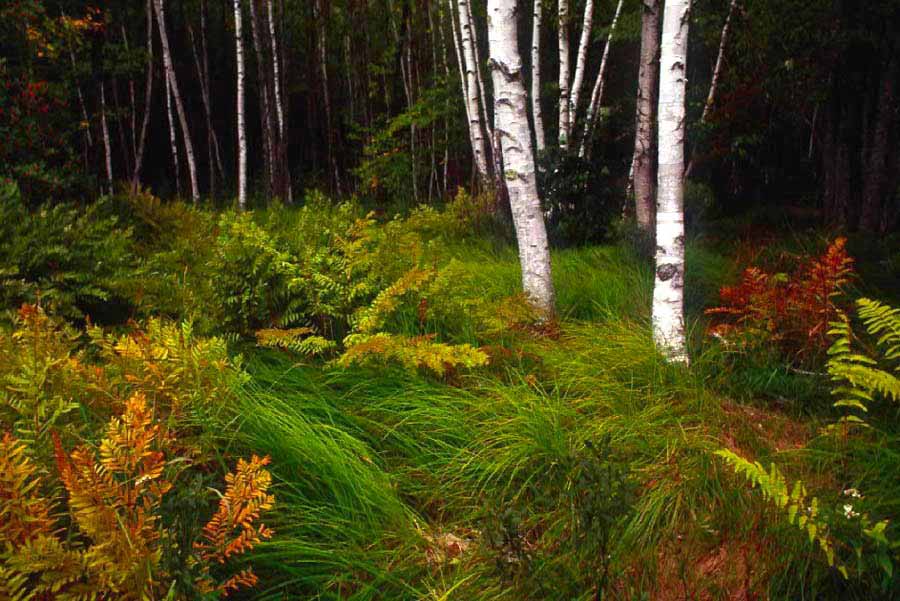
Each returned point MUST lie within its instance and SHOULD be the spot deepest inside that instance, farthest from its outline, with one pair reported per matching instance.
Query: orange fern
(233, 529)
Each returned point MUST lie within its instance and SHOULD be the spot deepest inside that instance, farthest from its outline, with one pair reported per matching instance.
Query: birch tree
(536, 113)
(593, 110)
(280, 108)
(107, 147)
(668, 288)
(648, 75)
(472, 89)
(565, 117)
(176, 95)
(241, 126)
(581, 62)
(512, 128)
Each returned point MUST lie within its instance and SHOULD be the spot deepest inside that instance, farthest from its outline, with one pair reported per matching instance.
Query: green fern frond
(801, 509)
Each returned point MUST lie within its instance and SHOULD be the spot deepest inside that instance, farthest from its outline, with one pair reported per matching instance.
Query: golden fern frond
(24, 513)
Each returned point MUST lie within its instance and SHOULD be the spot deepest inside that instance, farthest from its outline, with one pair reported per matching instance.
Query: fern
(801, 509)
(860, 379)
(411, 353)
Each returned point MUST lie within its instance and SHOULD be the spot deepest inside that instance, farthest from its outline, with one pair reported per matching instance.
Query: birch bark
(565, 118)
(648, 76)
(476, 123)
(578, 82)
(512, 128)
(107, 149)
(241, 126)
(536, 113)
(668, 289)
(176, 95)
(173, 138)
(590, 121)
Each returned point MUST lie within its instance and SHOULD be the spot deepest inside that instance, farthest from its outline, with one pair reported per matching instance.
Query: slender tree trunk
(565, 116)
(483, 99)
(201, 63)
(321, 25)
(88, 138)
(476, 123)
(285, 188)
(267, 120)
(668, 289)
(593, 112)
(148, 104)
(471, 121)
(107, 147)
(581, 60)
(643, 159)
(120, 127)
(241, 126)
(512, 128)
(173, 138)
(176, 95)
(875, 176)
(717, 72)
(132, 97)
(536, 113)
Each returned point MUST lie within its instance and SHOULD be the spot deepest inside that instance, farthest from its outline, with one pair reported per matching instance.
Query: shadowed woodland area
(449, 300)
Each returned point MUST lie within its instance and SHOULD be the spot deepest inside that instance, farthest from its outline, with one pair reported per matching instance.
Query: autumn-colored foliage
(94, 527)
(793, 310)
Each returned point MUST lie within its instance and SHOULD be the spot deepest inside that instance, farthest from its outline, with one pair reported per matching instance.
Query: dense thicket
(364, 97)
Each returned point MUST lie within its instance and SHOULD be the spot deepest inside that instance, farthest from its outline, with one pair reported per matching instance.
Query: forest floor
(440, 444)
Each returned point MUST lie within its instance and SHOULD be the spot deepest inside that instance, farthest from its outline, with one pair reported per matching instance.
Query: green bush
(69, 259)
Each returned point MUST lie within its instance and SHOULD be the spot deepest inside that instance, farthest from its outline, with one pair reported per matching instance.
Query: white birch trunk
(241, 126)
(668, 289)
(723, 41)
(482, 97)
(173, 138)
(511, 126)
(473, 100)
(648, 77)
(581, 60)
(176, 95)
(565, 117)
(536, 113)
(107, 149)
(590, 120)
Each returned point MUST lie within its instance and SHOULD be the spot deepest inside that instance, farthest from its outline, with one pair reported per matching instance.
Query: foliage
(860, 378)
(577, 198)
(114, 499)
(802, 510)
(790, 310)
(70, 260)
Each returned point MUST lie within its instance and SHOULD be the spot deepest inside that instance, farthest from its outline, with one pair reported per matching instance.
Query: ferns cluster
(110, 498)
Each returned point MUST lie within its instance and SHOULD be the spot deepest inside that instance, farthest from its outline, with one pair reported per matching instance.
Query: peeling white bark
(590, 121)
(668, 289)
(581, 60)
(511, 126)
(173, 137)
(565, 117)
(536, 113)
(241, 126)
(473, 100)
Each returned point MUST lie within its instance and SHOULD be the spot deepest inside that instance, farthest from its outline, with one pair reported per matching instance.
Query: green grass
(373, 465)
